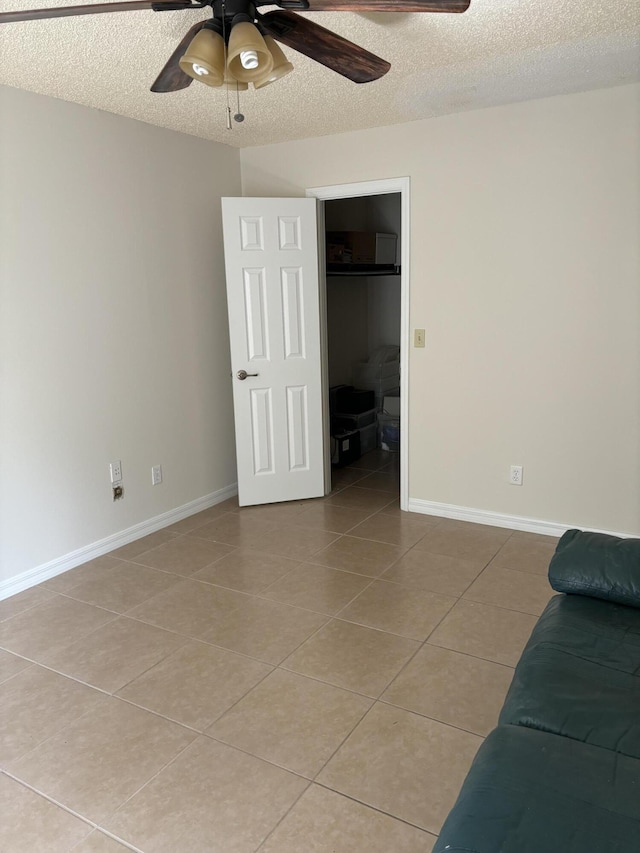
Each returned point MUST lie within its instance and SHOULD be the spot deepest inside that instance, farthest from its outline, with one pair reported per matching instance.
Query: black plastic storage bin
(349, 400)
(341, 421)
(358, 401)
(345, 447)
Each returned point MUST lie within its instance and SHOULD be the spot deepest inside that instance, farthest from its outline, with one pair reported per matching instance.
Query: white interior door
(271, 259)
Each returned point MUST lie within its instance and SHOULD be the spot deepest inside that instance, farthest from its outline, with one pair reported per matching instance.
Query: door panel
(255, 310)
(272, 291)
(297, 420)
(292, 313)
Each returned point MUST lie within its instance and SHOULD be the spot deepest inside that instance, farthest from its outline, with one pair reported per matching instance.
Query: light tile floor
(313, 677)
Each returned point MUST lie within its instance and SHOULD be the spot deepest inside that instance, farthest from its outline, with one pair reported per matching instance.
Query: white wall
(113, 324)
(525, 272)
(347, 326)
(363, 313)
(383, 301)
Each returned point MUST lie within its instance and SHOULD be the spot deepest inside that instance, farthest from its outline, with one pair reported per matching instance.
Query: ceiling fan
(238, 44)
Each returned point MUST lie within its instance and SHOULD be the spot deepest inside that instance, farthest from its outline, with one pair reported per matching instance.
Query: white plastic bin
(388, 392)
(391, 404)
(374, 376)
(389, 432)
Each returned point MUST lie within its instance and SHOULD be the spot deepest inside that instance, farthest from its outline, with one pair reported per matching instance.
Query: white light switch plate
(115, 470)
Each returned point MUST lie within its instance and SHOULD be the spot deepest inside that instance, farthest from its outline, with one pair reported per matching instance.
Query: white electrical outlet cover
(515, 475)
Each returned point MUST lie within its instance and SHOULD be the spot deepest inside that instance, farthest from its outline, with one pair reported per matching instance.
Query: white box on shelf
(391, 405)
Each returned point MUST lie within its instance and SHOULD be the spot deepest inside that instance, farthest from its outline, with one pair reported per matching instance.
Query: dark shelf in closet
(362, 269)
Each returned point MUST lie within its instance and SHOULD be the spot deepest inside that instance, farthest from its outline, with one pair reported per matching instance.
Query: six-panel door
(272, 291)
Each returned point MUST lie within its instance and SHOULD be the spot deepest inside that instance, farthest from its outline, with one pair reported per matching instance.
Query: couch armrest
(597, 565)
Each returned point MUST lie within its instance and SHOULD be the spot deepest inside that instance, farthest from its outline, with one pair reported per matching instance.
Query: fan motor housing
(229, 9)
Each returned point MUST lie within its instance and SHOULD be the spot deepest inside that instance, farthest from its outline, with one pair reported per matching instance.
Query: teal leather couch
(561, 772)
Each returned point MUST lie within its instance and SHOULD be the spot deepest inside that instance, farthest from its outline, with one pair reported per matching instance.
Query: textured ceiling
(498, 52)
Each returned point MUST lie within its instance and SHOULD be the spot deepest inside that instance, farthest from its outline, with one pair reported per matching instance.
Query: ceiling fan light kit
(204, 58)
(281, 65)
(249, 58)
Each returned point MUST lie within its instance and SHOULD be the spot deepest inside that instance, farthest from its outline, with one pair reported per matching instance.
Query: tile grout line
(147, 782)
(116, 838)
(30, 607)
(345, 739)
(361, 721)
(389, 704)
(377, 809)
(246, 752)
(50, 799)
(468, 655)
(500, 606)
(287, 812)
(422, 644)
(199, 569)
(54, 734)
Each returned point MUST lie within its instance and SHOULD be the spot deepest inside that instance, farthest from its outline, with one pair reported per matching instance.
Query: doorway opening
(363, 244)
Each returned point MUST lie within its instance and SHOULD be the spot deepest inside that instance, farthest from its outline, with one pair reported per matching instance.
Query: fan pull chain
(238, 116)
(226, 70)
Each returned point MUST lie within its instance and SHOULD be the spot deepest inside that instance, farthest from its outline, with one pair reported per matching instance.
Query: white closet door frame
(364, 188)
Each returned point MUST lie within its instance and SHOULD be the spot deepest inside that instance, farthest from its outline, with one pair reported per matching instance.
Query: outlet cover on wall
(515, 475)
(156, 475)
(115, 470)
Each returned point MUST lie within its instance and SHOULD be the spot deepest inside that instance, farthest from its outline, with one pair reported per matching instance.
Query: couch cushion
(597, 565)
(579, 675)
(533, 792)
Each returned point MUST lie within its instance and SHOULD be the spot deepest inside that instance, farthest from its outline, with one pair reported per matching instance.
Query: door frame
(365, 188)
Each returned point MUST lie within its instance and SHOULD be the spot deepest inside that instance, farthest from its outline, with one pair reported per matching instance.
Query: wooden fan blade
(325, 46)
(95, 9)
(172, 77)
(388, 6)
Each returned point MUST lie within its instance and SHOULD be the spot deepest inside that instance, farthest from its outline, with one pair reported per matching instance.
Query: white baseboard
(30, 578)
(96, 549)
(496, 519)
